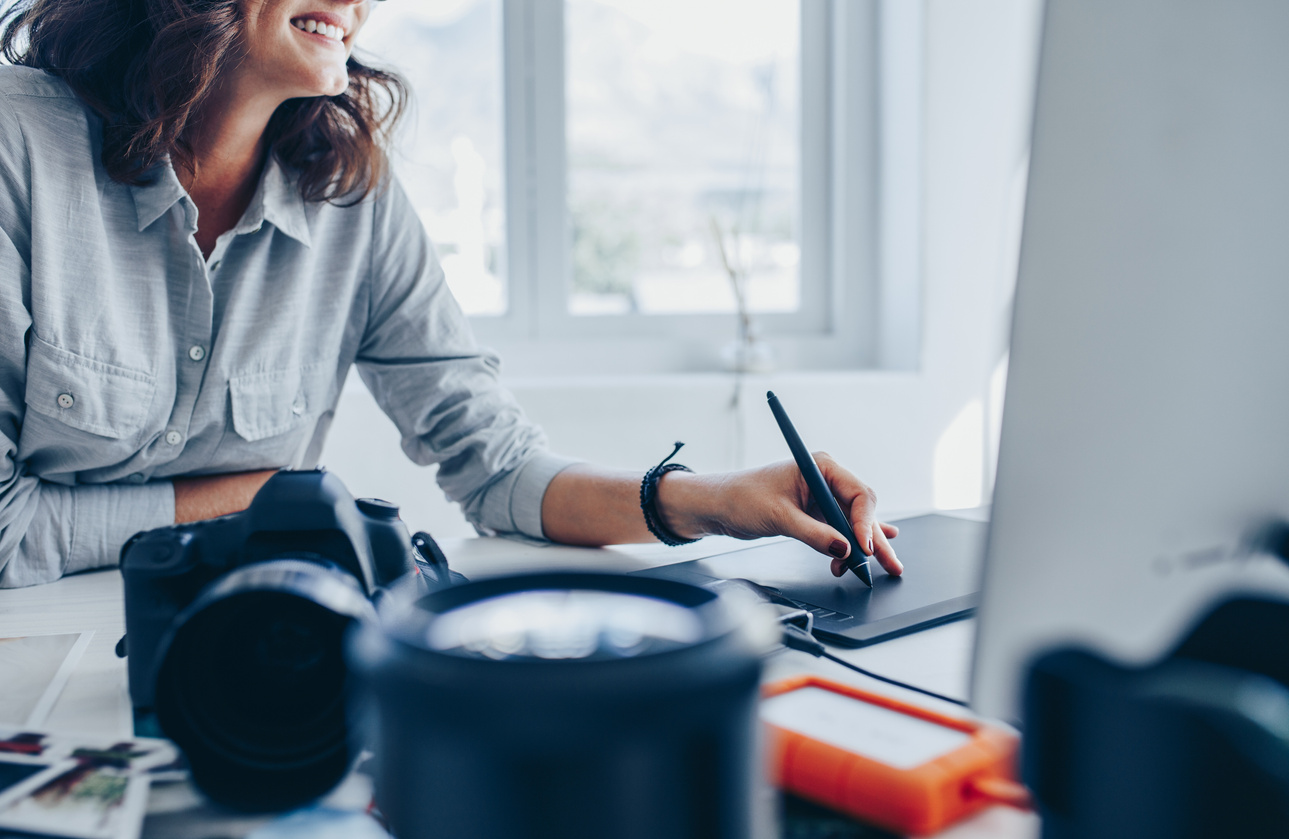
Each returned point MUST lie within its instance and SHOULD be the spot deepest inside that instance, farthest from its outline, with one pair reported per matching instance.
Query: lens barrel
(557, 705)
(252, 684)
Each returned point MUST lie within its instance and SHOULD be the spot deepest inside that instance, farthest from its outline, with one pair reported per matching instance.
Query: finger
(816, 534)
(890, 530)
(886, 554)
(838, 567)
(857, 499)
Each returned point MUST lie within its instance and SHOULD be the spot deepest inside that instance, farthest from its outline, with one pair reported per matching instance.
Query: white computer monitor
(1146, 425)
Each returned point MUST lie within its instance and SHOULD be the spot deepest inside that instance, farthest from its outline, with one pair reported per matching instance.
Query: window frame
(860, 209)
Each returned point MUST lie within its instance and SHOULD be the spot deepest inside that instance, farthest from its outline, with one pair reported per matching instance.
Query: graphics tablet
(941, 580)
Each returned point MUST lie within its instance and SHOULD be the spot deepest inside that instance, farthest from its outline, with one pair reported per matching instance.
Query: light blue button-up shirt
(127, 358)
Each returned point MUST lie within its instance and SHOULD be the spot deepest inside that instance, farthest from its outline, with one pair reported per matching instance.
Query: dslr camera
(236, 625)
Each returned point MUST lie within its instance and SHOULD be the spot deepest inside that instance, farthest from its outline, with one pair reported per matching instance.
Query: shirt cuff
(526, 489)
(105, 517)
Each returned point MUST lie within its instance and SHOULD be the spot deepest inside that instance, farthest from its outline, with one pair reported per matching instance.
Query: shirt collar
(159, 194)
(277, 200)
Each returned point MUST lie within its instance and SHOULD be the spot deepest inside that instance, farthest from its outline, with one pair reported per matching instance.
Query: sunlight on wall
(959, 460)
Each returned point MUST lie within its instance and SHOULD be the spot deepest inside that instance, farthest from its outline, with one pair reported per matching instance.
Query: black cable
(889, 681)
(796, 638)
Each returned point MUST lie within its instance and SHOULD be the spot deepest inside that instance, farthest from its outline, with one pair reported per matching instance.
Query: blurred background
(656, 210)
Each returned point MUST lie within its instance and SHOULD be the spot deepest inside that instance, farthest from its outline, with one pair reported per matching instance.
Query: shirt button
(174, 438)
(65, 400)
(214, 266)
(137, 478)
(196, 353)
(298, 406)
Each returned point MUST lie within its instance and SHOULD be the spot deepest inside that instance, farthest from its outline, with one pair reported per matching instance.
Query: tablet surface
(941, 580)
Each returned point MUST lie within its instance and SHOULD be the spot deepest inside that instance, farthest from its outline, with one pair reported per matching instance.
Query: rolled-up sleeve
(421, 363)
(48, 530)
(72, 529)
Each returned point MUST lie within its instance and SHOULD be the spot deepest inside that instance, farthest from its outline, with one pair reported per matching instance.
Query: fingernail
(870, 546)
(837, 548)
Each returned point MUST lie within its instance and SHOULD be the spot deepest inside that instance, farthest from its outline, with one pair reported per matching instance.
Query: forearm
(587, 505)
(584, 505)
(210, 496)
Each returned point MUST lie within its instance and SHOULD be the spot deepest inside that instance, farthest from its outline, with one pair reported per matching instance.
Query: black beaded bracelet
(649, 500)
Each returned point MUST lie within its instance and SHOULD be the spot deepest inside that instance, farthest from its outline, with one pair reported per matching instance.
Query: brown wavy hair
(146, 67)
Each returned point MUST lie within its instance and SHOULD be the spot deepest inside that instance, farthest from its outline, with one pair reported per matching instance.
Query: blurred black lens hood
(662, 744)
(398, 639)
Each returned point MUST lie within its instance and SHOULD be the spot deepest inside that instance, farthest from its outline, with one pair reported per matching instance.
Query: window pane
(449, 153)
(682, 119)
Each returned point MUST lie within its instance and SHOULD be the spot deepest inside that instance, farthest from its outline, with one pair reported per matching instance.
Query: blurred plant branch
(750, 354)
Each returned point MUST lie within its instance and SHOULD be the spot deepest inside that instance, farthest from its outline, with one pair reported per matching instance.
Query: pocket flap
(274, 402)
(91, 395)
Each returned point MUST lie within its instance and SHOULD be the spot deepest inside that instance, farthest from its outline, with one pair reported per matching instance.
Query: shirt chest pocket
(273, 403)
(92, 396)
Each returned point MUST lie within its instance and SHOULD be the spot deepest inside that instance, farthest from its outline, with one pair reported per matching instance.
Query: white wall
(915, 437)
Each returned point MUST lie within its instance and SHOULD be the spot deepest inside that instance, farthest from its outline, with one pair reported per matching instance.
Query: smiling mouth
(333, 33)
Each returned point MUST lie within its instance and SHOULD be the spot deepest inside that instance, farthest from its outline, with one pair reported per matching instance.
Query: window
(450, 149)
(641, 185)
(682, 139)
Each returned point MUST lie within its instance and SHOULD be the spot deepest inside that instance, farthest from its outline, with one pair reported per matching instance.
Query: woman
(200, 239)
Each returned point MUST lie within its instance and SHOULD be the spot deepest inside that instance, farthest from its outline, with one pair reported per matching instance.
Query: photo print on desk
(59, 785)
(84, 801)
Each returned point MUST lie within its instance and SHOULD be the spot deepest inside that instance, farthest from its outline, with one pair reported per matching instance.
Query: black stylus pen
(856, 561)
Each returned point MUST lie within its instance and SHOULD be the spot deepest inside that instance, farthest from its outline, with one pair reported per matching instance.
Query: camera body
(303, 514)
(235, 632)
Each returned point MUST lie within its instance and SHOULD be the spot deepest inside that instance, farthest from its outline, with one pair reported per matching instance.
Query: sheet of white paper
(34, 670)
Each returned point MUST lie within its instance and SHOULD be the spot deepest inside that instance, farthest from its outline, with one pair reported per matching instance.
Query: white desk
(96, 698)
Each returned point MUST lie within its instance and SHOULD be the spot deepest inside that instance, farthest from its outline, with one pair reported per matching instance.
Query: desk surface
(96, 698)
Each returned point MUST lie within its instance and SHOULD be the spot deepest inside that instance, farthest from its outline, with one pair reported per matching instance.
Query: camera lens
(552, 705)
(565, 624)
(252, 686)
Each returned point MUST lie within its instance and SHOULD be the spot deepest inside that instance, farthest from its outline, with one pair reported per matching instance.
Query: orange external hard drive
(883, 761)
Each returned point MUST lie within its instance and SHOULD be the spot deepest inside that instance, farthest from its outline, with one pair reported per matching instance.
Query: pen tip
(769, 394)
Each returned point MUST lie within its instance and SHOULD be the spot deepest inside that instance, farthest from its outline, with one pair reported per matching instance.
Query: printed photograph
(76, 787)
(88, 801)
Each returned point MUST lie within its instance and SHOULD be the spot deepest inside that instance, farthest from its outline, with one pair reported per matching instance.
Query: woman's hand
(774, 500)
(209, 496)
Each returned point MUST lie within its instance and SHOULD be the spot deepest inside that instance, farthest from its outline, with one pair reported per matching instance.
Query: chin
(329, 85)
(337, 84)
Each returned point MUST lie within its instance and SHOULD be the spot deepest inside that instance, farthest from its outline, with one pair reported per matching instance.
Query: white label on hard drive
(877, 733)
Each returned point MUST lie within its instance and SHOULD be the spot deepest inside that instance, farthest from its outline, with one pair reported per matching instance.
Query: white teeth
(336, 33)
